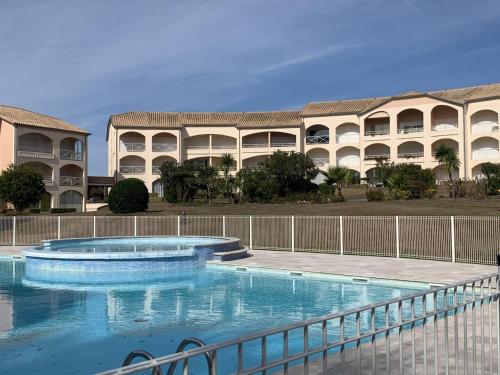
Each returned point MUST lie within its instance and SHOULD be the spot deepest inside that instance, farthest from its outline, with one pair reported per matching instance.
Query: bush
(62, 210)
(375, 195)
(22, 186)
(127, 196)
(34, 211)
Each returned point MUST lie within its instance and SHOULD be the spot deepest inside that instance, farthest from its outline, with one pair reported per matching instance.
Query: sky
(85, 60)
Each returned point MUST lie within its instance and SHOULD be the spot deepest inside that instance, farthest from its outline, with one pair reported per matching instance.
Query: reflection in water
(83, 329)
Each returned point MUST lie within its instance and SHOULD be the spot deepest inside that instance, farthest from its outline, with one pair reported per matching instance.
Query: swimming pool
(88, 328)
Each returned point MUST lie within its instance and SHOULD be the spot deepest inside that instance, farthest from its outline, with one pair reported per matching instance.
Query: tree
(256, 185)
(448, 158)
(206, 179)
(127, 196)
(22, 186)
(227, 162)
(338, 177)
(492, 173)
(179, 182)
(292, 171)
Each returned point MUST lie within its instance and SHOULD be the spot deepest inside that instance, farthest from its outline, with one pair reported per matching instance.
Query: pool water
(83, 329)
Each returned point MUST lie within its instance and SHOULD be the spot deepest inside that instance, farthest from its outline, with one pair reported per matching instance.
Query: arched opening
(377, 124)
(410, 121)
(372, 178)
(158, 188)
(320, 157)
(348, 157)
(45, 202)
(45, 170)
(254, 162)
(347, 133)
(442, 174)
(132, 165)
(35, 144)
(159, 161)
(71, 175)
(485, 121)
(223, 142)
(282, 140)
(476, 172)
(410, 150)
(377, 151)
(255, 140)
(444, 117)
(71, 199)
(132, 142)
(447, 142)
(164, 142)
(198, 142)
(317, 134)
(71, 149)
(485, 148)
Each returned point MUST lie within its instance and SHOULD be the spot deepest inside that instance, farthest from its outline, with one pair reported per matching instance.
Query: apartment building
(54, 148)
(405, 128)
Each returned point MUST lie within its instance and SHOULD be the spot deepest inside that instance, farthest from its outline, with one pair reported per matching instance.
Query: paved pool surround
(121, 259)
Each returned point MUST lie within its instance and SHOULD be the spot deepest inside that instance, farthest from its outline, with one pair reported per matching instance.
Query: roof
(177, 120)
(19, 116)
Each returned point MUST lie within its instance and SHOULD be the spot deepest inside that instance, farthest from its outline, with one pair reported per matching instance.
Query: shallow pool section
(122, 259)
(82, 329)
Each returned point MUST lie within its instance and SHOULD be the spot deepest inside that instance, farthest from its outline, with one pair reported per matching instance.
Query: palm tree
(338, 176)
(447, 157)
(227, 162)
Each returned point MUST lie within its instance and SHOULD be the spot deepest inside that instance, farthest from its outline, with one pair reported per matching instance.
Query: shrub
(129, 195)
(62, 210)
(22, 186)
(34, 211)
(375, 195)
(256, 185)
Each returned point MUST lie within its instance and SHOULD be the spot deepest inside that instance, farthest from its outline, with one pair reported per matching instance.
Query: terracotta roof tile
(21, 116)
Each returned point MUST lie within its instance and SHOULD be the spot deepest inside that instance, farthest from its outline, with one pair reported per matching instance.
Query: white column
(452, 228)
(250, 229)
(223, 226)
(59, 227)
(397, 237)
(341, 229)
(14, 231)
(293, 233)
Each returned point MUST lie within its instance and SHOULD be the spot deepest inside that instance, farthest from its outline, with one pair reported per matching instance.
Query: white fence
(454, 239)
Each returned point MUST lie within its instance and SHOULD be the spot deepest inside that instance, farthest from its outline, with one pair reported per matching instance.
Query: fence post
(13, 231)
(341, 229)
(59, 227)
(452, 227)
(135, 226)
(178, 225)
(397, 237)
(251, 234)
(94, 228)
(223, 226)
(293, 233)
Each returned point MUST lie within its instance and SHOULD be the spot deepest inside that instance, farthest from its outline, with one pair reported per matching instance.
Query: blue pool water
(81, 329)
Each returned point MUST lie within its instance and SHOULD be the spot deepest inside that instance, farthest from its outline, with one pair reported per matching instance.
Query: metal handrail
(412, 129)
(472, 291)
(199, 343)
(134, 146)
(283, 144)
(71, 181)
(156, 370)
(132, 169)
(373, 133)
(254, 145)
(317, 139)
(377, 156)
(163, 147)
(409, 155)
(71, 155)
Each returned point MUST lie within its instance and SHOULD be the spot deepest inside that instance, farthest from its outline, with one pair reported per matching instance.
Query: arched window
(71, 199)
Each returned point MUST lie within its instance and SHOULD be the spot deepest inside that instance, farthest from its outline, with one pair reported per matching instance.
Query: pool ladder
(157, 369)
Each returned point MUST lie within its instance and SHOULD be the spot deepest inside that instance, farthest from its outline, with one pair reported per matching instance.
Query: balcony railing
(224, 147)
(485, 153)
(71, 181)
(132, 169)
(317, 139)
(134, 147)
(156, 169)
(164, 147)
(441, 124)
(321, 162)
(484, 128)
(197, 147)
(411, 129)
(378, 132)
(36, 152)
(341, 139)
(410, 155)
(377, 156)
(48, 181)
(283, 144)
(254, 145)
(71, 155)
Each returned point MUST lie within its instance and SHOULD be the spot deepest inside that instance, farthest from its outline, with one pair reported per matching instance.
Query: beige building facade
(406, 128)
(54, 148)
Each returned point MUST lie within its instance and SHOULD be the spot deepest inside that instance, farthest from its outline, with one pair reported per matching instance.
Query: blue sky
(84, 60)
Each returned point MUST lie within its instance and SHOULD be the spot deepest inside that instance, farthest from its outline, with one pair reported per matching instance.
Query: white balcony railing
(164, 147)
(35, 152)
(71, 155)
(485, 127)
(321, 162)
(410, 155)
(197, 147)
(132, 169)
(134, 147)
(224, 147)
(71, 181)
(377, 132)
(377, 156)
(317, 139)
(450, 123)
(485, 153)
(283, 144)
(254, 145)
(48, 181)
(156, 169)
(433, 153)
(349, 138)
(411, 129)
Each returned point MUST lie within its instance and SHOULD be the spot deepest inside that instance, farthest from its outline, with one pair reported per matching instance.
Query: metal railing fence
(450, 329)
(455, 239)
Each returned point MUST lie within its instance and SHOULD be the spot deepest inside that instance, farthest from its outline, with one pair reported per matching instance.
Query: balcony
(132, 169)
(134, 147)
(376, 132)
(164, 147)
(254, 145)
(377, 157)
(444, 124)
(197, 147)
(347, 139)
(282, 144)
(156, 169)
(317, 139)
(71, 181)
(410, 128)
(321, 162)
(484, 128)
(71, 155)
(48, 181)
(410, 155)
(35, 152)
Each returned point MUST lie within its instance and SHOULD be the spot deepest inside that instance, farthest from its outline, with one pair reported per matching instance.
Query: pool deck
(427, 271)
